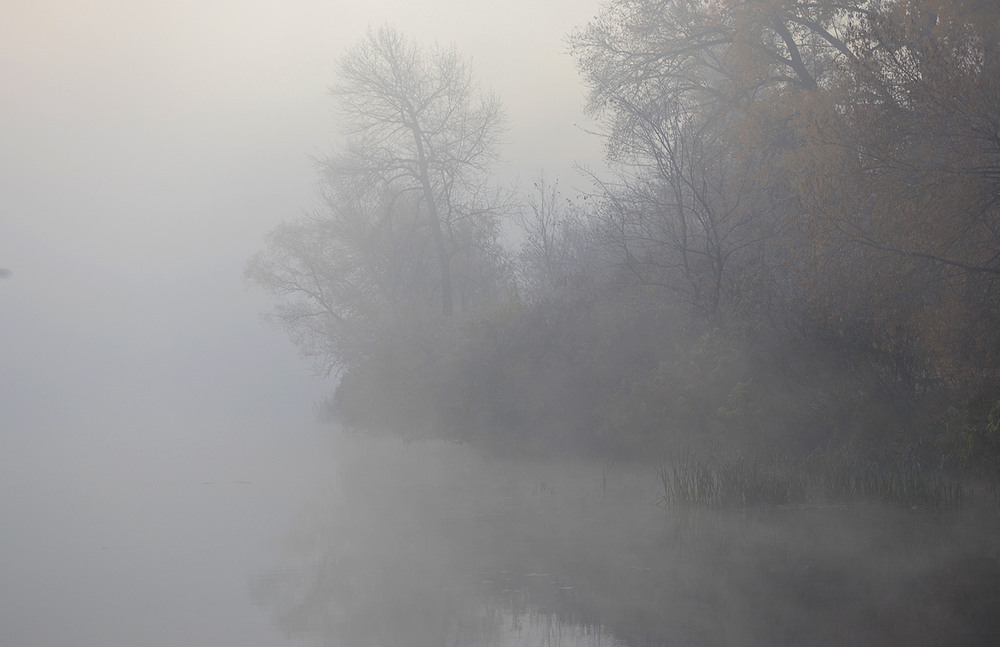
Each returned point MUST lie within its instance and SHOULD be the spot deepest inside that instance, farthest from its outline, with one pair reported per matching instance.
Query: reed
(688, 480)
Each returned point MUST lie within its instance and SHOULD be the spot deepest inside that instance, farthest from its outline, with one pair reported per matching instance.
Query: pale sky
(145, 149)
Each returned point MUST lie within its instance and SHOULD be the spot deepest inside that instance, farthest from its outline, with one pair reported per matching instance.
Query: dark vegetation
(787, 288)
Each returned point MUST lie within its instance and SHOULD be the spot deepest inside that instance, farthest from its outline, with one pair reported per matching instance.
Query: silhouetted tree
(415, 122)
(409, 223)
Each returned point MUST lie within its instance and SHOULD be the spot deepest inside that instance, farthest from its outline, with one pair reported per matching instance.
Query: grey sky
(145, 148)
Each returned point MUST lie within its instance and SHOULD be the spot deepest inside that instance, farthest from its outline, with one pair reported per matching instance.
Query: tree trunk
(444, 264)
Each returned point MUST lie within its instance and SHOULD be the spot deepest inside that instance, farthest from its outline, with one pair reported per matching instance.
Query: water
(177, 532)
(147, 531)
(432, 544)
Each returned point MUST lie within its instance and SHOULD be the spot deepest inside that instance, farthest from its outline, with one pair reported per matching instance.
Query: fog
(741, 390)
(155, 437)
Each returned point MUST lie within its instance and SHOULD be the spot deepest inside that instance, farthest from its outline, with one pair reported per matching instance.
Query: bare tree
(343, 274)
(416, 122)
(550, 225)
(699, 99)
(408, 227)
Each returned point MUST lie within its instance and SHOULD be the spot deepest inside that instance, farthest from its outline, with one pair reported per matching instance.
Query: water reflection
(430, 544)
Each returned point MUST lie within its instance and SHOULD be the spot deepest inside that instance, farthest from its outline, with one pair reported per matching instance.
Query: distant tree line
(797, 248)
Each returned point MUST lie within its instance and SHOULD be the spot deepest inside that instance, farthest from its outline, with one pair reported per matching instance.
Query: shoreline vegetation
(732, 435)
(777, 316)
(820, 482)
(791, 269)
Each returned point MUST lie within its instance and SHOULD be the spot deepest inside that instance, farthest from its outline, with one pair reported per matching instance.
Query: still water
(166, 532)
(148, 530)
(431, 544)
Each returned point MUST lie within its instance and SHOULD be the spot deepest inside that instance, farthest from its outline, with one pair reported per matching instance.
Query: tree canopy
(798, 244)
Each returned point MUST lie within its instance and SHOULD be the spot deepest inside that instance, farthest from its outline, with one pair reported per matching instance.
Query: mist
(655, 347)
(156, 436)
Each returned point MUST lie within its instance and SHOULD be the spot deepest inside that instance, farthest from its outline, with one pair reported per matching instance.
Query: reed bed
(689, 480)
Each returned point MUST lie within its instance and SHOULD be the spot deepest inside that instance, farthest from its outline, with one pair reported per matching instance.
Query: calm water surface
(431, 544)
(173, 532)
(147, 532)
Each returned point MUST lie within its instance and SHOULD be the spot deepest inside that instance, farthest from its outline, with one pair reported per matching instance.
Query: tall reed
(686, 479)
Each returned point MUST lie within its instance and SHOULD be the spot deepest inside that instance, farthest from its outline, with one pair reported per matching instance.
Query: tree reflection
(430, 544)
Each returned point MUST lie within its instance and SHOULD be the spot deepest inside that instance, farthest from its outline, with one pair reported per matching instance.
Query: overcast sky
(145, 148)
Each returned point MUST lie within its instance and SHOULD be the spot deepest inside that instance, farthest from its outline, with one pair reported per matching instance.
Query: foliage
(797, 250)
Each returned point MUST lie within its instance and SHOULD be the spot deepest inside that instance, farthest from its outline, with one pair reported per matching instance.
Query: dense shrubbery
(605, 379)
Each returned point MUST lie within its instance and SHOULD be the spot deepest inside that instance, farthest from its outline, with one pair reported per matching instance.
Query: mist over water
(145, 531)
(164, 478)
(429, 543)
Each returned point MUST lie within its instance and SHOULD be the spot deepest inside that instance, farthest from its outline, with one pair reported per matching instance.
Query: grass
(686, 480)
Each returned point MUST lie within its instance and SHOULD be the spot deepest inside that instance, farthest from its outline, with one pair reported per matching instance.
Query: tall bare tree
(408, 228)
(416, 122)
(695, 97)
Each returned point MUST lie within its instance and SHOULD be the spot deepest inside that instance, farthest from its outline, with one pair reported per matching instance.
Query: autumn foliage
(797, 248)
